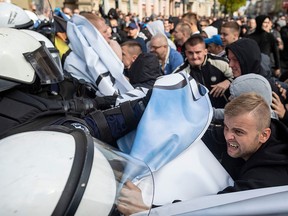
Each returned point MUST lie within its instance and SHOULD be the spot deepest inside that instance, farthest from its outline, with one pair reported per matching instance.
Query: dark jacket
(267, 167)
(144, 71)
(213, 70)
(249, 56)
(266, 41)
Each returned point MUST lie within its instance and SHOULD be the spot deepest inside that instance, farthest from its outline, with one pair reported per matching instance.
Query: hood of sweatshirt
(251, 83)
(248, 54)
(259, 21)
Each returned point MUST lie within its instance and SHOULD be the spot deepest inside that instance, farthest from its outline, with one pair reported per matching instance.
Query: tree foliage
(232, 5)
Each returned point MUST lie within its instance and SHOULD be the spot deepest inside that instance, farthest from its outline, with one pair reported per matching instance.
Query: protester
(181, 34)
(204, 23)
(67, 11)
(105, 31)
(248, 73)
(213, 137)
(133, 34)
(169, 58)
(211, 71)
(158, 27)
(117, 33)
(167, 28)
(243, 60)
(192, 19)
(252, 26)
(141, 69)
(267, 42)
(215, 46)
(263, 154)
(230, 32)
(209, 31)
(251, 136)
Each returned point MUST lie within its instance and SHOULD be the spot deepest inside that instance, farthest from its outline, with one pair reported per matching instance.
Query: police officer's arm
(113, 123)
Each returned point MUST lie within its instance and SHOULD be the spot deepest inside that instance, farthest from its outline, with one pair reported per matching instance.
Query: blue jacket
(174, 60)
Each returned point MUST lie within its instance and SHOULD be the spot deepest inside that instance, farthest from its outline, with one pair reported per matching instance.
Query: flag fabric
(93, 60)
(178, 113)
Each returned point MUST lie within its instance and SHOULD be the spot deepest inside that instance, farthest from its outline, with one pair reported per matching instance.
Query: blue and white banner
(168, 140)
(178, 113)
(93, 60)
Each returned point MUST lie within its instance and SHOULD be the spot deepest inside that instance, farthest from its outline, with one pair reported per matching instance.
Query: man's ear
(265, 134)
(134, 57)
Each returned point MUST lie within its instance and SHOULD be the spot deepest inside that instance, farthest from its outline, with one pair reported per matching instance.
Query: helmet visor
(56, 56)
(44, 65)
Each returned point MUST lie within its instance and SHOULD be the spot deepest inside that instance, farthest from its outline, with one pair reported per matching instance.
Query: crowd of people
(242, 62)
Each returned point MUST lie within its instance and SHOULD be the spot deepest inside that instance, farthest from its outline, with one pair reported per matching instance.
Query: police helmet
(40, 37)
(13, 16)
(23, 58)
(54, 172)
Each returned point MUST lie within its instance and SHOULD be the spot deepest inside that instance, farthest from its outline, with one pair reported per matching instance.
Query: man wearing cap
(209, 31)
(215, 46)
(133, 33)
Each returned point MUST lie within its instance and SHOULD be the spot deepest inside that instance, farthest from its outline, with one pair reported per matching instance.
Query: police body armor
(20, 111)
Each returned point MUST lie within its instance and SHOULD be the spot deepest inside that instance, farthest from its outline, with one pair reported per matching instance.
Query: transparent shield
(43, 9)
(45, 25)
(127, 168)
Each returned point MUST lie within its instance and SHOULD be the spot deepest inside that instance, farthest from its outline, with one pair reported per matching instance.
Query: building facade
(271, 7)
(142, 8)
(145, 8)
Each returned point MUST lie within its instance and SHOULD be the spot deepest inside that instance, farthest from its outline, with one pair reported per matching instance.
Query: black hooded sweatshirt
(267, 167)
(266, 40)
(249, 57)
(144, 71)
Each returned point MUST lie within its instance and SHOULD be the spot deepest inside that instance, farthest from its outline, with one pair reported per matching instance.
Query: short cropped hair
(134, 48)
(185, 28)
(191, 17)
(233, 25)
(161, 37)
(250, 103)
(194, 40)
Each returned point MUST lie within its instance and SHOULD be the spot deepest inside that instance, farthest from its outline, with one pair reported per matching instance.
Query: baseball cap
(210, 31)
(147, 19)
(216, 39)
(132, 25)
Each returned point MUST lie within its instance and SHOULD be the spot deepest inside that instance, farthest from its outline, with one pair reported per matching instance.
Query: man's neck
(194, 30)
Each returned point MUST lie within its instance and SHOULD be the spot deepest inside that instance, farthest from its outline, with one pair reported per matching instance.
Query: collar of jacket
(202, 65)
